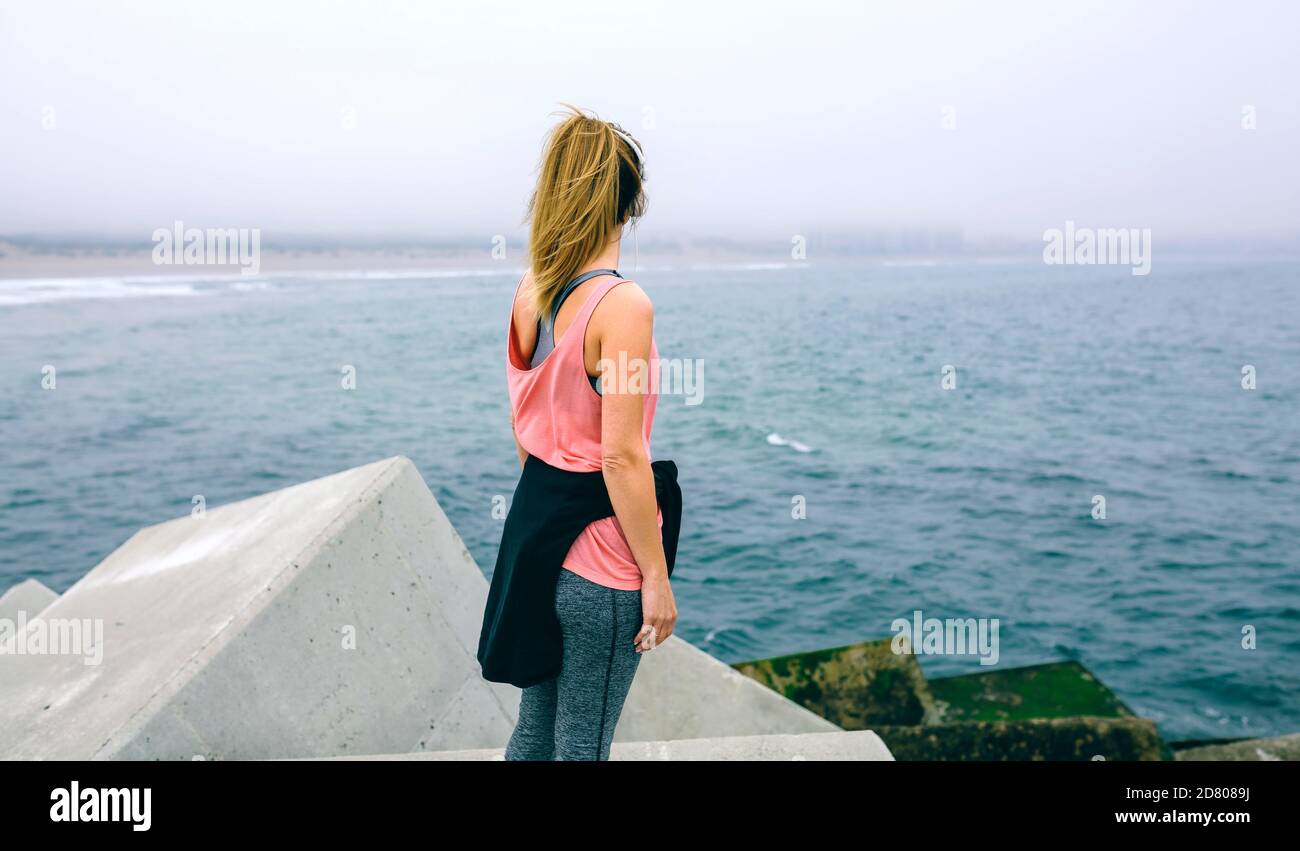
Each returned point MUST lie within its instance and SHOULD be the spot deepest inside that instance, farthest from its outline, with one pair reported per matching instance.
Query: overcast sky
(426, 120)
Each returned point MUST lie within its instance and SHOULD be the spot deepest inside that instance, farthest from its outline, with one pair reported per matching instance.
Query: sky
(426, 120)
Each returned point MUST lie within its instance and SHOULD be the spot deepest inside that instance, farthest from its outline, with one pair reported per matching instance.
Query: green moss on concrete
(1055, 711)
(1053, 690)
(857, 686)
(1054, 739)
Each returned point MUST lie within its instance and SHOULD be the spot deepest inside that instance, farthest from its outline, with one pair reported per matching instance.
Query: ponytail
(589, 186)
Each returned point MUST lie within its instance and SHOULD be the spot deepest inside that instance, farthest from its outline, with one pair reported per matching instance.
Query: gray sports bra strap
(573, 285)
(546, 330)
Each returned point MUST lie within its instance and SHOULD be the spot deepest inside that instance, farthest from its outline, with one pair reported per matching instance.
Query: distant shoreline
(23, 264)
(20, 262)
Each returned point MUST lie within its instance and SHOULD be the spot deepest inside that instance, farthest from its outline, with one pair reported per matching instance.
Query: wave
(43, 290)
(777, 440)
(399, 274)
(15, 292)
(740, 267)
(924, 262)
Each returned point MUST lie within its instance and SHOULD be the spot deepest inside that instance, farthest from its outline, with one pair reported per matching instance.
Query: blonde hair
(588, 186)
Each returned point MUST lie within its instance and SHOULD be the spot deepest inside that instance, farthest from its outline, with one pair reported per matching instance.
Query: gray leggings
(572, 716)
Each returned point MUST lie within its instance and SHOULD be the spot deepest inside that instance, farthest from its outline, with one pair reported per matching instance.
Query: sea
(1107, 465)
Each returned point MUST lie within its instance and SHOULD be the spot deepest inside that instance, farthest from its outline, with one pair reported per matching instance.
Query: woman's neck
(607, 259)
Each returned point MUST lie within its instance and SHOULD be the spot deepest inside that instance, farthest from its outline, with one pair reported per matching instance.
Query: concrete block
(334, 617)
(681, 692)
(28, 596)
(1277, 749)
(1051, 690)
(862, 745)
(857, 686)
(1034, 739)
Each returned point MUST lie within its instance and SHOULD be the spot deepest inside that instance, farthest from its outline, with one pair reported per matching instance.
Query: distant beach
(54, 261)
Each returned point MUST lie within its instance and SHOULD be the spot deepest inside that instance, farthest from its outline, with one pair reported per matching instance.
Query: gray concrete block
(1276, 749)
(860, 745)
(681, 692)
(225, 636)
(28, 596)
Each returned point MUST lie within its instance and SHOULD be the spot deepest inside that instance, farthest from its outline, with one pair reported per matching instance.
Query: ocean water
(821, 382)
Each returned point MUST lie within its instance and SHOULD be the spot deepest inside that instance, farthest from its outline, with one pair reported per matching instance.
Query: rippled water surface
(819, 382)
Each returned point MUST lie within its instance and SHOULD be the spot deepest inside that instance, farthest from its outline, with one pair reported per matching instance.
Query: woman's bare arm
(624, 323)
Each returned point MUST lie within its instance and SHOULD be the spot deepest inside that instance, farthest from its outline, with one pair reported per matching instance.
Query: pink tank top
(557, 420)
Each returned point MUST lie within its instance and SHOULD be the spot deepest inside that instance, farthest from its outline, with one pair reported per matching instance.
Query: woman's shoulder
(627, 299)
(522, 306)
(625, 316)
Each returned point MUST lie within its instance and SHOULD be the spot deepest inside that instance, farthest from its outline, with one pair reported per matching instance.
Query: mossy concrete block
(1281, 748)
(856, 687)
(1052, 690)
(28, 596)
(1050, 739)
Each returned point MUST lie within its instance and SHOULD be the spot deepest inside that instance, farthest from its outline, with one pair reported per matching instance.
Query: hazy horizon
(992, 121)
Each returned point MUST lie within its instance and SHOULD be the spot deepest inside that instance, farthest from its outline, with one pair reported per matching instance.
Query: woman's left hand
(658, 614)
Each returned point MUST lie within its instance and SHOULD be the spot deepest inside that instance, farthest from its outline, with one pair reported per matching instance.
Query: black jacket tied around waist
(520, 642)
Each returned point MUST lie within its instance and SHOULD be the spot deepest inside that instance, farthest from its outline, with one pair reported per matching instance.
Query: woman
(581, 587)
